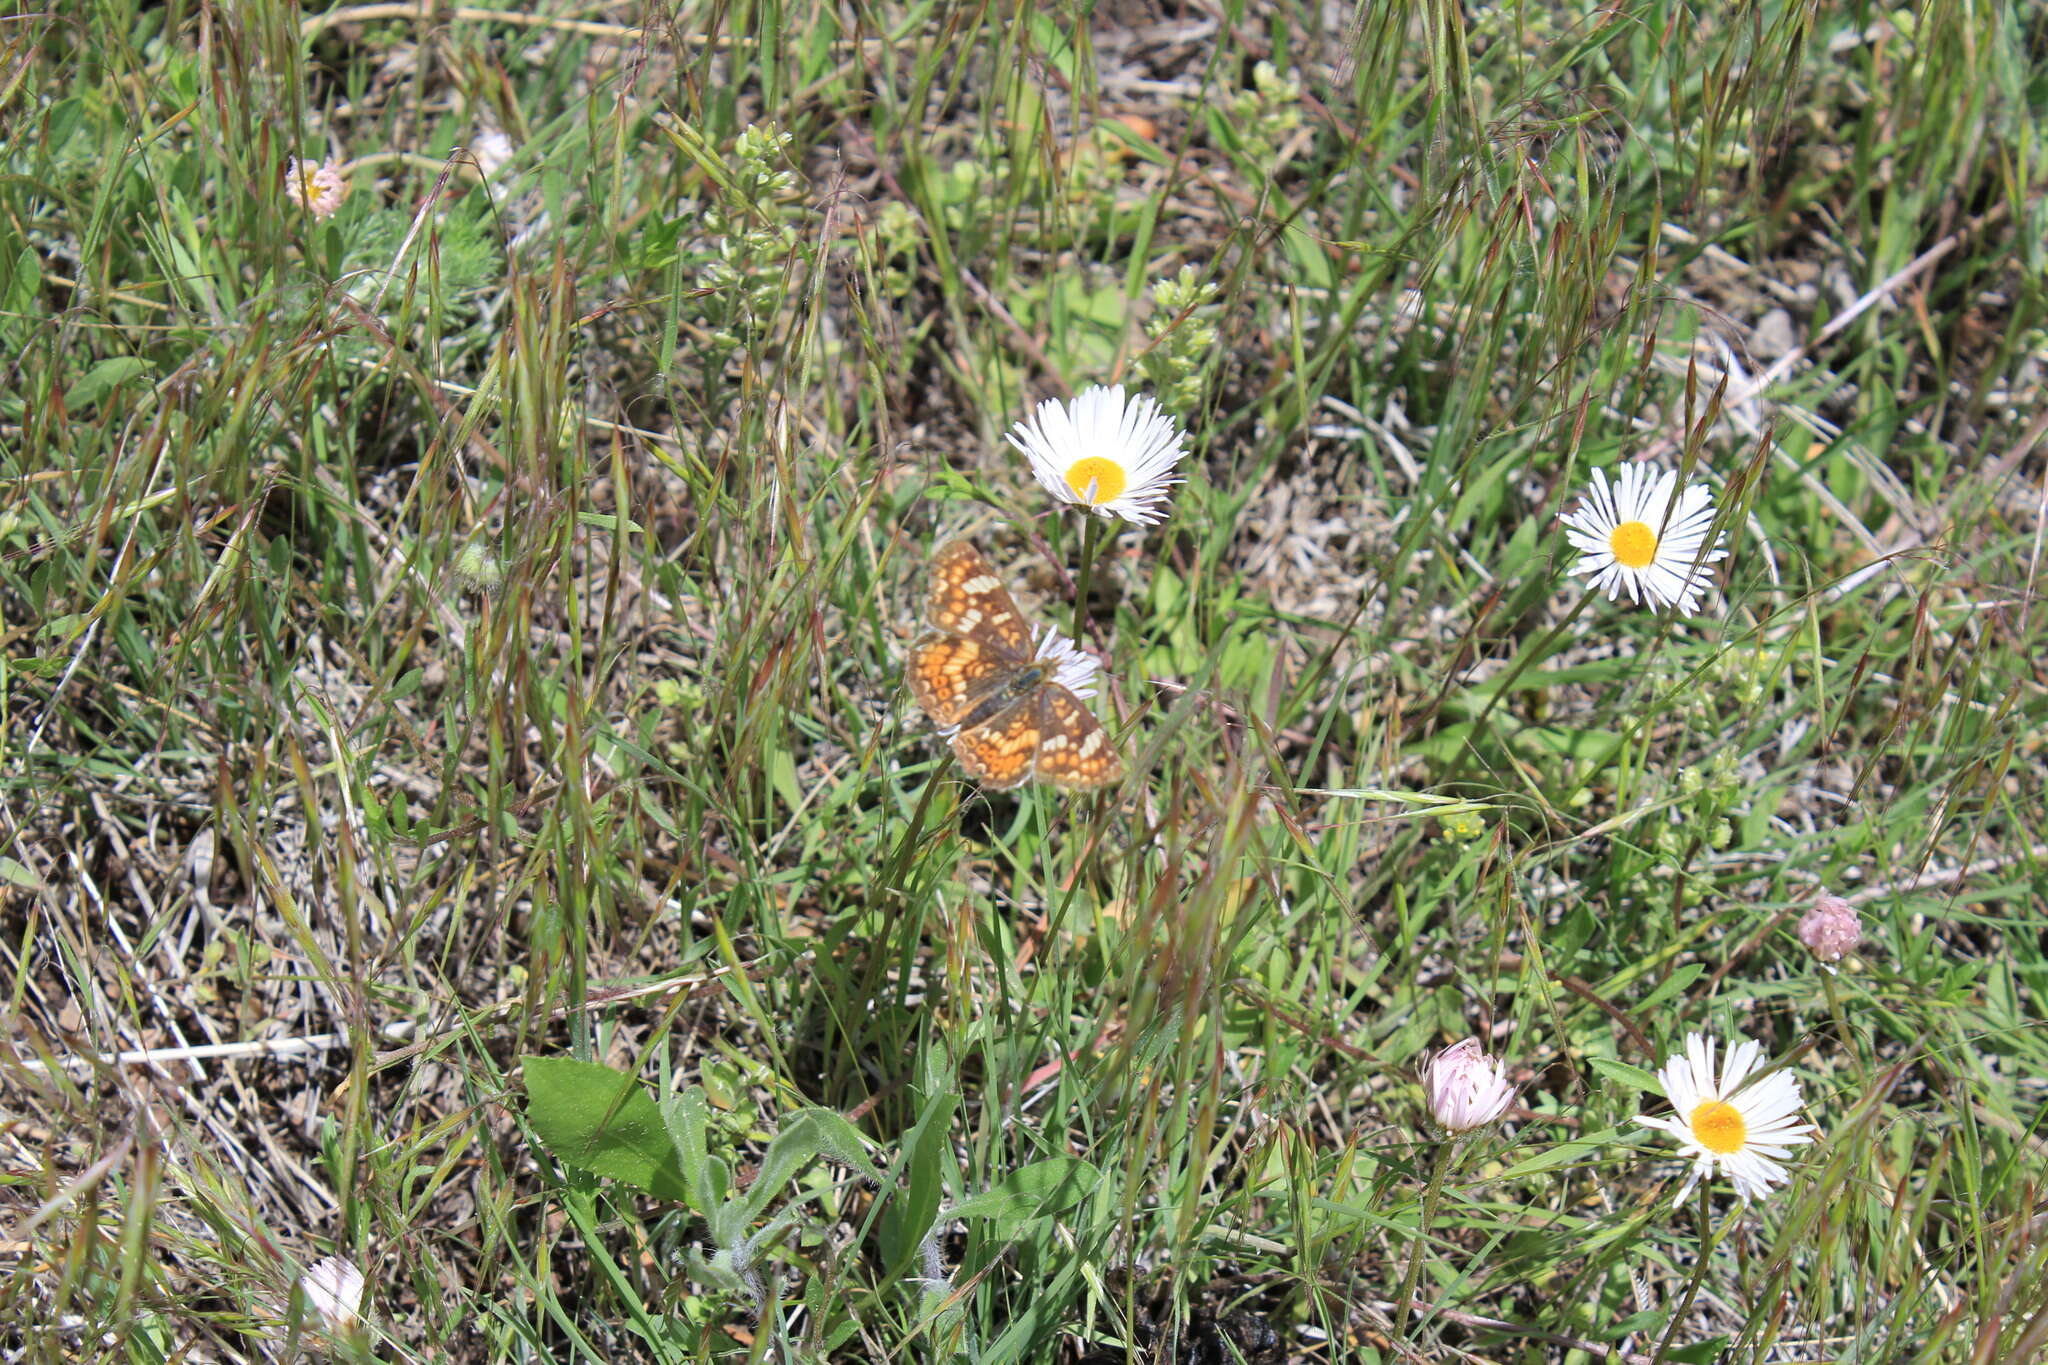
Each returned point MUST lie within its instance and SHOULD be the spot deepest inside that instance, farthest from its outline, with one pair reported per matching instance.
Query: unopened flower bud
(334, 1289)
(1467, 1088)
(1831, 929)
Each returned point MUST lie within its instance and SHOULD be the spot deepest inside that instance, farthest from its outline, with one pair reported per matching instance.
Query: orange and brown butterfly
(1005, 697)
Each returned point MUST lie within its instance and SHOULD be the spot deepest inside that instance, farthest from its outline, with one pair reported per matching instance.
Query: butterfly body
(1003, 695)
(978, 673)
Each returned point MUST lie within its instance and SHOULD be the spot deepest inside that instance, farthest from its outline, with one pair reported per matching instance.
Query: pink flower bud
(317, 189)
(1831, 930)
(1467, 1088)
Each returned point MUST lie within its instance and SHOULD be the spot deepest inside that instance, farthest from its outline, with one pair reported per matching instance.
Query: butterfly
(980, 675)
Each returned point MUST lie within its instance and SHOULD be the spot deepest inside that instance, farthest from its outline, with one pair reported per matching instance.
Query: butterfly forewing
(966, 598)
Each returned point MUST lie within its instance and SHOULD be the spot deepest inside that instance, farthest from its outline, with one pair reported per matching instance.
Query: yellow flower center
(1634, 545)
(1718, 1126)
(1106, 475)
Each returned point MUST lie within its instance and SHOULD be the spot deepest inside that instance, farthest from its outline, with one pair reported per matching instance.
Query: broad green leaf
(927, 1155)
(803, 1137)
(595, 1119)
(19, 286)
(686, 1117)
(841, 1141)
(1681, 977)
(103, 378)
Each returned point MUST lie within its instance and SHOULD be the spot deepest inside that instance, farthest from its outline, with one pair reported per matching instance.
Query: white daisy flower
(1114, 458)
(1636, 535)
(1072, 668)
(1736, 1125)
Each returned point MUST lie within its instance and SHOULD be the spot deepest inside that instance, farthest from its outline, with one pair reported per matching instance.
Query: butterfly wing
(1074, 750)
(950, 674)
(965, 597)
(999, 753)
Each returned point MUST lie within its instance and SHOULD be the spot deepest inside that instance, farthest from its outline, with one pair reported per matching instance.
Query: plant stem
(1708, 1241)
(1431, 1197)
(1827, 980)
(1091, 537)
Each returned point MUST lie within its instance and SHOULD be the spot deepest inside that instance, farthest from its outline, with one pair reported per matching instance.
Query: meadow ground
(464, 811)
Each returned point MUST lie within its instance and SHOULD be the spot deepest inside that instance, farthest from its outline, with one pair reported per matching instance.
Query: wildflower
(334, 1289)
(1467, 1088)
(317, 189)
(477, 569)
(1115, 458)
(1636, 535)
(1831, 930)
(1734, 1124)
(1072, 668)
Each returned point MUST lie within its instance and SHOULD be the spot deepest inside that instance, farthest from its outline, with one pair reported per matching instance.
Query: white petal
(1073, 668)
(1678, 1085)
(1740, 1062)
(1699, 1055)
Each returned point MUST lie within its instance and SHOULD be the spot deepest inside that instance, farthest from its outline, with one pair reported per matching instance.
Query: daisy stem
(1708, 1241)
(1091, 534)
(1432, 1195)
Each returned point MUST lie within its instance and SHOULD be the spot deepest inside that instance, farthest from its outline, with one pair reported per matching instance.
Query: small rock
(1773, 335)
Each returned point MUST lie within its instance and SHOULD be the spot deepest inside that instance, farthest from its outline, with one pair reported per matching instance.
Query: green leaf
(1559, 1155)
(1681, 977)
(19, 286)
(927, 1158)
(841, 1141)
(1308, 256)
(1030, 1192)
(63, 122)
(803, 1137)
(1628, 1077)
(782, 776)
(686, 1116)
(103, 378)
(602, 1121)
